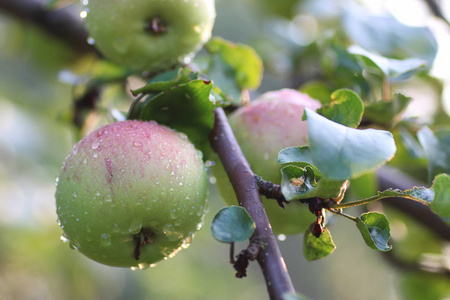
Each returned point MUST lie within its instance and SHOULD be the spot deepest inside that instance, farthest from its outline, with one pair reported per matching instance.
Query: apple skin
(126, 179)
(270, 123)
(121, 31)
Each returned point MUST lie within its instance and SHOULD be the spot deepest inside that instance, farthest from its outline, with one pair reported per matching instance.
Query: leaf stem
(373, 199)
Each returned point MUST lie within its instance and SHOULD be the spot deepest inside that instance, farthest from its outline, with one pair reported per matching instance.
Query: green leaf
(294, 155)
(374, 228)
(345, 108)
(317, 248)
(341, 152)
(391, 68)
(302, 183)
(233, 67)
(317, 90)
(441, 202)
(166, 81)
(232, 224)
(186, 108)
(436, 152)
(386, 112)
(389, 37)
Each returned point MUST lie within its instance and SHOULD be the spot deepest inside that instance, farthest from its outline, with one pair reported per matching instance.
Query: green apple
(270, 123)
(131, 194)
(149, 35)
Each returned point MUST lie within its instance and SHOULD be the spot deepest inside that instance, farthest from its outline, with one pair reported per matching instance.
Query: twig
(63, 23)
(242, 177)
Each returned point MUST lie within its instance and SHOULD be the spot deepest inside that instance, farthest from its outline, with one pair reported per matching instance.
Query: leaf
(186, 108)
(341, 152)
(345, 108)
(166, 81)
(374, 228)
(392, 68)
(317, 90)
(295, 154)
(436, 152)
(387, 36)
(386, 112)
(441, 202)
(317, 248)
(244, 61)
(302, 183)
(232, 224)
(233, 67)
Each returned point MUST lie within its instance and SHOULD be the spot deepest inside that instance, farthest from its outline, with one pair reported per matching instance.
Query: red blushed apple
(270, 123)
(131, 194)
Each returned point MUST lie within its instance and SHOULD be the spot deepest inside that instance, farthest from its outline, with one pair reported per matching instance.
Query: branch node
(270, 190)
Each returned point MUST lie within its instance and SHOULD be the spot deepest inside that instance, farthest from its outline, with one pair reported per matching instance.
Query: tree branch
(243, 180)
(62, 23)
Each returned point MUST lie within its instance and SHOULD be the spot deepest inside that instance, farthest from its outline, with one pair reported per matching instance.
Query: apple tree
(291, 128)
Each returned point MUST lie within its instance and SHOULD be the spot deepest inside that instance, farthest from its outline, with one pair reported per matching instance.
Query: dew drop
(75, 244)
(95, 155)
(64, 238)
(95, 145)
(105, 240)
(143, 266)
(281, 237)
(135, 226)
(74, 194)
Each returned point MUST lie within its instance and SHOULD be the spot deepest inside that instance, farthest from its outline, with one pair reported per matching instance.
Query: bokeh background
(37, 73)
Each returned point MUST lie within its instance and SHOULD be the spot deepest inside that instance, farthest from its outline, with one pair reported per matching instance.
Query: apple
(131, 194)
(270, 123)
(149, 35)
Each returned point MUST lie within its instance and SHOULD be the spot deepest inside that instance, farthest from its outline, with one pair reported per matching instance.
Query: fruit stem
(155, 26)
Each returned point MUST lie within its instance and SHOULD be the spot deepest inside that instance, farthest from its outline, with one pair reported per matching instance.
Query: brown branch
(245, 186)
(63, 23)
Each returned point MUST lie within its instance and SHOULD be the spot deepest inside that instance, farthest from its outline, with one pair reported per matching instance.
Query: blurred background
(299, 42)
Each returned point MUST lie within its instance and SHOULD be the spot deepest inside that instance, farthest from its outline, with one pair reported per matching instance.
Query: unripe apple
(131, 194)
(270, 123)
(149, 35)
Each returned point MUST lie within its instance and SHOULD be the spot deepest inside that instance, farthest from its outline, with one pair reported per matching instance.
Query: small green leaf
(233, 68)
(345, 108)
(391, 68)
(341, 152)
(317, 248)
(232, 224)
(374, 228)
(186, 108)
(242, 59)
(436, 152)
(441, 202)
(302, 183)
(386, 112)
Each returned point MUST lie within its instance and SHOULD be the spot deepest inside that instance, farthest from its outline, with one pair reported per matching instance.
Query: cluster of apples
(133, 193)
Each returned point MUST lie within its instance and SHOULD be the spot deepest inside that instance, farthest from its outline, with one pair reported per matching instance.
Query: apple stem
(144, 237)
(155, 26)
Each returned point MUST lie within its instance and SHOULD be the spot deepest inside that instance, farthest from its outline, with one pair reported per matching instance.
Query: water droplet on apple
(90, 41)
(143, 266)
(105, 240)
(75, 244)
(74, 194)
(95, 145)
(135, 226)
(64, 238)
